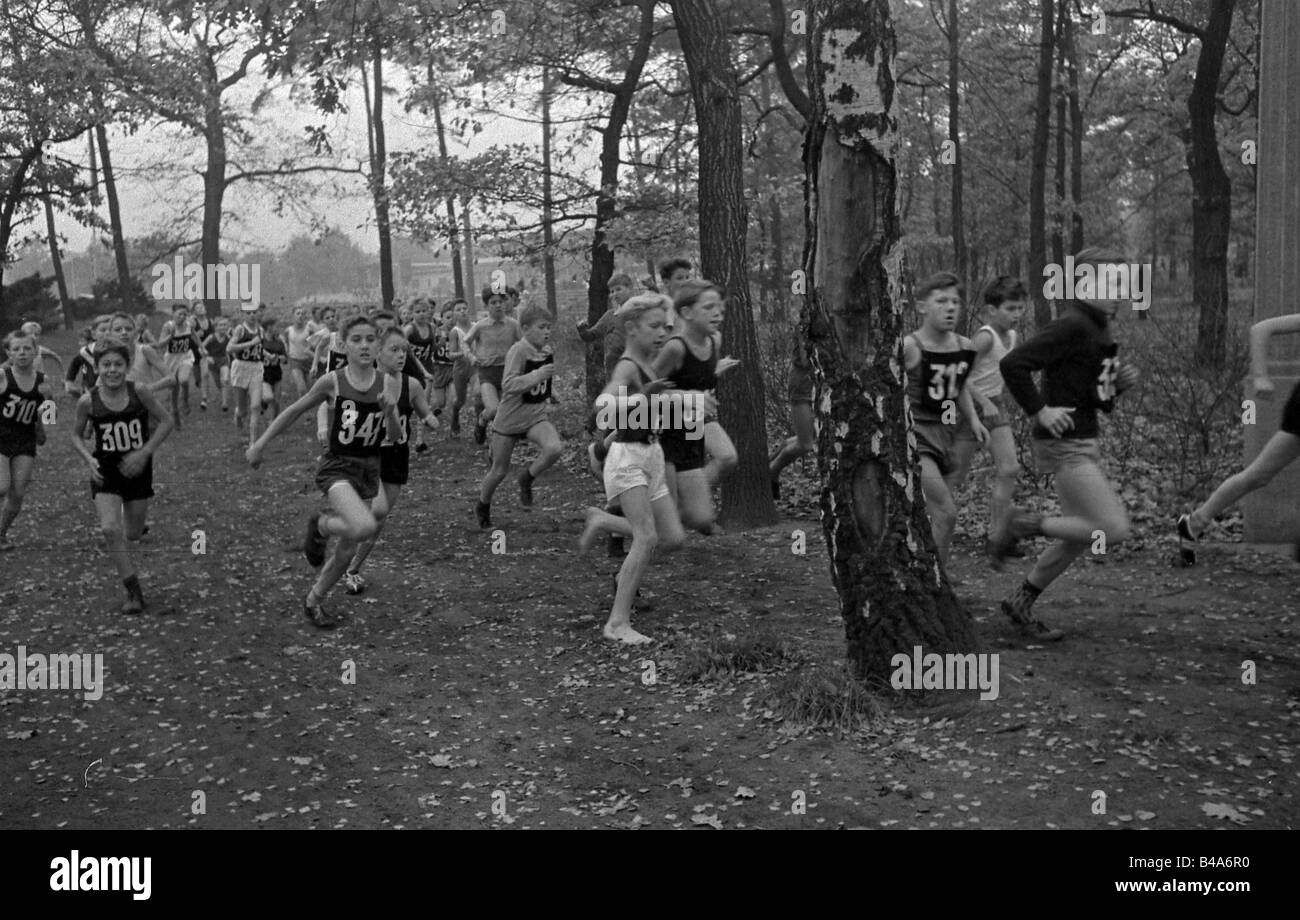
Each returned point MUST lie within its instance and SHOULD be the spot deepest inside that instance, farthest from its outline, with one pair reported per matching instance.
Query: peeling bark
(893, 593)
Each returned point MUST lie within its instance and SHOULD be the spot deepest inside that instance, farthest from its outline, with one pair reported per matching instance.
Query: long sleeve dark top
(1078, 358)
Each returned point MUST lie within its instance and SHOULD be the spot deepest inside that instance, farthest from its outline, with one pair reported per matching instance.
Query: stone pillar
(1271, 513)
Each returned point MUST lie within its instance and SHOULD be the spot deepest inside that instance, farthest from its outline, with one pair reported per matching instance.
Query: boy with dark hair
(491, 338)
(937, 361)
(526, 387)
(1081, 374)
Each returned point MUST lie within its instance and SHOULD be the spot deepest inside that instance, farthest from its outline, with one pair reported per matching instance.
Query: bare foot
(626, 634)
(590, 532)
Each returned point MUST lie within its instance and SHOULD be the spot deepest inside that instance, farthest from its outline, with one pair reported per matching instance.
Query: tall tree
(378, 148)
(124, 284)
(724, 224)
(1211, 188)
(954, 138)
(1038, 166)
(893, 593)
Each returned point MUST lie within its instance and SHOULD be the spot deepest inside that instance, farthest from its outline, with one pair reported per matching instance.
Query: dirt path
(484, 695)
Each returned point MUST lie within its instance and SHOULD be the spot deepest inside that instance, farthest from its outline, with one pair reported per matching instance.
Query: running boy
(1004, 304)
(607, 327)
(1280, 452)
(22, 392)
(690, 360)
(218, 361)
(491, 339)
(394, 453)
(1078, 357)
(127, 425)
(80, 375)
(364, 404)
(526, 386)
(938, 361)
(297, 346)
(274, 357)
(177, 340)
(634, 472)
(246, 369)
(462, 367)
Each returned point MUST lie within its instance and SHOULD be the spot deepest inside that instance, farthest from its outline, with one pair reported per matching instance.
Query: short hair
(355, 321)
(31, 328)
(1100, 255)
(382, 314)
(511, 292)
(268, 321)
(101, 319)
(396, 331)
(453, 303)
(939, 281)
(668, 266)
(636, 307)
(19, 335)
(112, 347)
(126, 316)
(180, 305)
(692, 290)
(489, 293)
(533, 314)
(1002, 289)
(622, 280)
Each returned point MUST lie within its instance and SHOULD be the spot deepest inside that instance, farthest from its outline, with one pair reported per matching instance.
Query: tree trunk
(954, 135)
(472, 293)
(453, 235)
(779, 282)
(115, 222)
(1076, 139)
(548, 231)
(706, 46)
(1038, 166)
(1211, 193)
(378, 184)
(611, 136)
(60, 281)
(1058, 167)
(893, 594)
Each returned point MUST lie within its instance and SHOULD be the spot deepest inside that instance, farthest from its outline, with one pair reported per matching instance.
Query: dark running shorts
(1291, 414)
(935, 440)
(801, 385)
(129, 490)
(440, 376)
(492, 375)
(19, 447)
(395, 464)
(362, 473)
(682, 452)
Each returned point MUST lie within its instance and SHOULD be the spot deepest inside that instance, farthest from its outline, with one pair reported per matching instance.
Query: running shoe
(353, 582)
(484, 515)
(480, 433)
(318, 615)
(1030, 627)
(525, 489)
(1019, 524)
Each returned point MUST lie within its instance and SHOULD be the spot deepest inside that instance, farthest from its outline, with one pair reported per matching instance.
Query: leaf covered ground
(484, 695)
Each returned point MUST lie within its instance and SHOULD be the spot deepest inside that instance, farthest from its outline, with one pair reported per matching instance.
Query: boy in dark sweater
(1082, 373)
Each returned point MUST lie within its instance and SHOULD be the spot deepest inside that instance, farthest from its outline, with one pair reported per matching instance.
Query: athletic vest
(179, 341)
(936, 380)
(403, 417)
(422, 346)
(117, 433)
(217, 346)
(985, 377)
(638, 435)
(358, 426)
(697, 374)
(19, 409)
(542, 391)
(251, 355)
